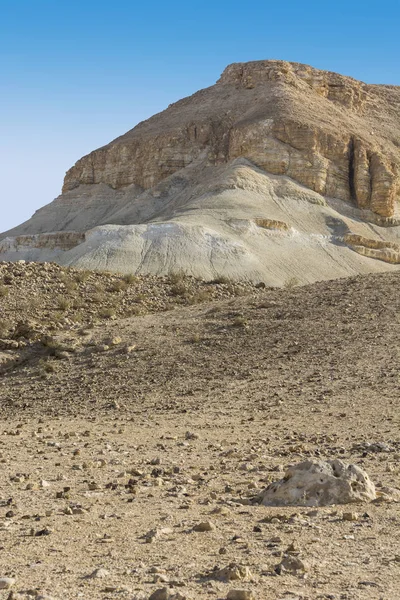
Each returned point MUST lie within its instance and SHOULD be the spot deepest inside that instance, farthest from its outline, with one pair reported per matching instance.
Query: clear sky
(76, 74)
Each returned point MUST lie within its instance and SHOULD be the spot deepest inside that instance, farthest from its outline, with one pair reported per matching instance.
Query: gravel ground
(118, 440)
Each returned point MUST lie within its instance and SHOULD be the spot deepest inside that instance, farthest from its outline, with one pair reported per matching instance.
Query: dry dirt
(164, 421)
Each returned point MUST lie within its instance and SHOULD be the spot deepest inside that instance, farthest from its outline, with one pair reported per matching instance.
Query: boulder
(320, 483)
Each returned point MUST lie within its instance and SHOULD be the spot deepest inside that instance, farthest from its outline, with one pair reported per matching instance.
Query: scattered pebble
(6, 583)
(204, 526)
(240, 595)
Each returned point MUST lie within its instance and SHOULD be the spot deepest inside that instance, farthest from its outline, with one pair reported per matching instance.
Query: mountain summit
(277, 170)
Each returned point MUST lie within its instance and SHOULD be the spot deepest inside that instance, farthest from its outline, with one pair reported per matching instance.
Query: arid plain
(122, 435)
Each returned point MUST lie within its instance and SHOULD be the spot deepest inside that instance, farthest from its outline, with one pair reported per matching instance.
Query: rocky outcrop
(335, 87)
(65, 240)
(272, 224)
(380, 249)
(333, 134)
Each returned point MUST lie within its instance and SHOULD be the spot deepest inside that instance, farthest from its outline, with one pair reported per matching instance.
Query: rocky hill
(277, 170)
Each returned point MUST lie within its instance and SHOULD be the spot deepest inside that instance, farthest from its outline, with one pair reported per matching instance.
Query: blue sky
(76, 74)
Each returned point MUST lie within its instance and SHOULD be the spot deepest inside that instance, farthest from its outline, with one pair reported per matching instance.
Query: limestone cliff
(333, 134)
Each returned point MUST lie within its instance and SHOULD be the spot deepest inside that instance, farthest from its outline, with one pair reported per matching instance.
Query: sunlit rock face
(335, 135)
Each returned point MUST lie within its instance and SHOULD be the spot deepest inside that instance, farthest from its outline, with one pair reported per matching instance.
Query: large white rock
(319, 483)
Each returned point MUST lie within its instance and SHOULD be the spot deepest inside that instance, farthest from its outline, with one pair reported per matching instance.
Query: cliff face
(333, 134)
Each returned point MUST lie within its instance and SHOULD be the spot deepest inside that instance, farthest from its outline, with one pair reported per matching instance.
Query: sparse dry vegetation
(4, 328)
(291, 283)
(239, 321)
(176, 278)
(54, 298)
(107, 313)
(221, 279)
(178, 289)
(62, 303)
(130, 278)
(82, 276)
(120, 285)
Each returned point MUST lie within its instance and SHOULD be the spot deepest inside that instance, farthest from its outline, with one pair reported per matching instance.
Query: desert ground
(133, 442)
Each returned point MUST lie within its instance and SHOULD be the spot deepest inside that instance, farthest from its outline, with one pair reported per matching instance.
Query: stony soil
(43, 299)
(117, 444)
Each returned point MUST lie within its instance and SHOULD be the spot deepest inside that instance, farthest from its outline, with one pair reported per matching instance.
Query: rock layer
(337, 136)
(380, 249)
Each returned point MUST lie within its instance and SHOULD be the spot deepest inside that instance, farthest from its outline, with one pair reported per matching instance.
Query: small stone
(161, 594)
(6, 583)
(205, 526)
(78, 511)
(42, 532)
(320, 483)
(154, 534)
(240, 595)
(233, 572)
(99, 574)
(350, 516)
(291, 564)
(160, 578)
(129, 349)
(293, 548)
(156, 570)
(32, 486)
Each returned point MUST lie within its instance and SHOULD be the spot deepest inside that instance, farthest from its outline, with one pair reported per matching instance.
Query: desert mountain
(278, 170)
